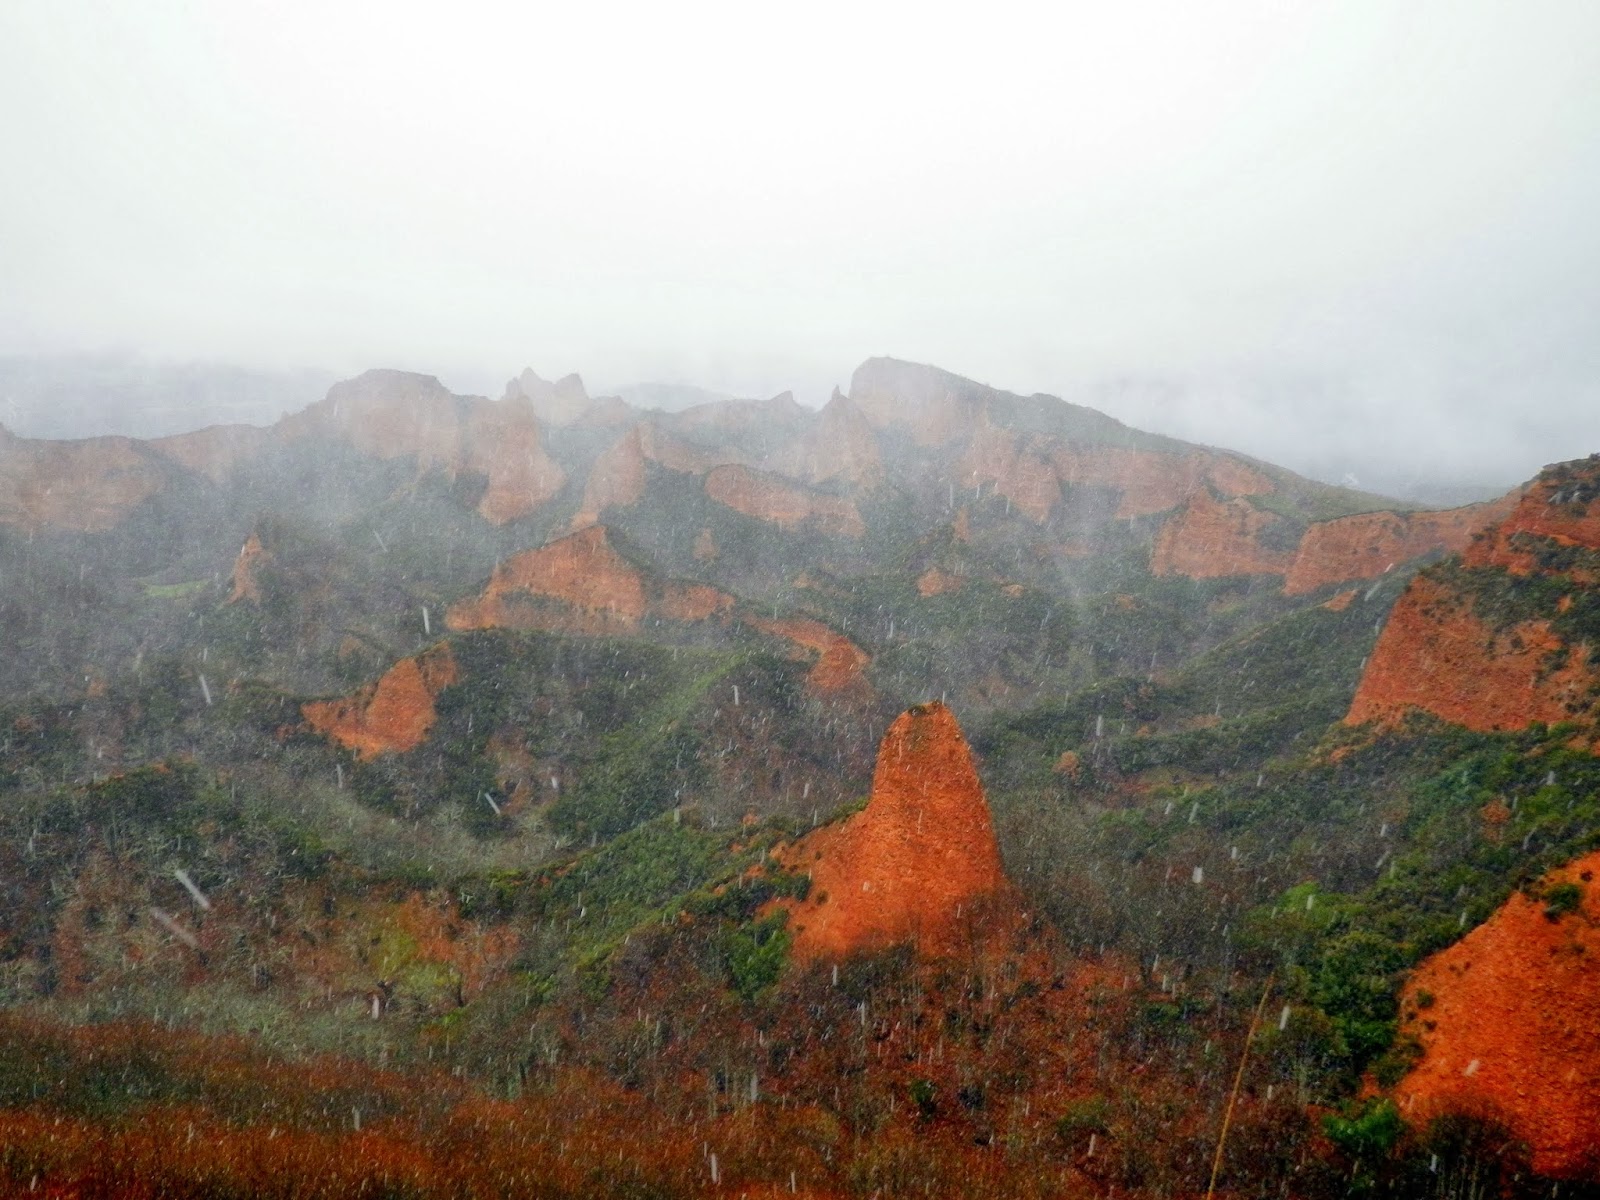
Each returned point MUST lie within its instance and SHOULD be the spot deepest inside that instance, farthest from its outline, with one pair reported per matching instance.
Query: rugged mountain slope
(1509, 634)
(502, 738)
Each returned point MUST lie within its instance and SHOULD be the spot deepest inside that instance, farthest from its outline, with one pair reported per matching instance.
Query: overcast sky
(1355, 231)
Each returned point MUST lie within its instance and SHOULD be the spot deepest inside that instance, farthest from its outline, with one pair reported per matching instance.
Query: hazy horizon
(1348, 238)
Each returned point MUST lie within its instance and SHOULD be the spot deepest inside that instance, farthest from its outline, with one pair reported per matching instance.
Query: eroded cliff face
(399, 415)
(1437, 655)
(840, 664)
(215, 451)
(1556, 518)
(769, 498)
(839, 445)
(563, 402)
(1212, 539)
(1507, 1019)
(1482, 644)
(1367, 545)
(581, 585)
(392, 715)
(246, 571)
(917, 864)
(86, 486)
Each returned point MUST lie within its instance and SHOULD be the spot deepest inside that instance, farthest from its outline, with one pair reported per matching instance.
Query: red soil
(916, 863)
(1365, 546)
(504, 443)
(1546, 511)
(1151, 482)
(840, 661)
(214, 451)
(937, 582)
(1017, 467)
(391, 716)
(1213, 538)
(768, 498)
(936, 408)
(85, 486)
(1436, 655)
(615, 481)
(1509, 1031)
(581, 585)
(840, 445)
(395, 414)
(245, 584)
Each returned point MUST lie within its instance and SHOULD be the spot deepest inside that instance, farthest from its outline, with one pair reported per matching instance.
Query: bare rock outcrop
(392, 715)
(1506, 1020)
(918, 864)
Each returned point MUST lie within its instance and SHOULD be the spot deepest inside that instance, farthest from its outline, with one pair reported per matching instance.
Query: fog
(1354, 238)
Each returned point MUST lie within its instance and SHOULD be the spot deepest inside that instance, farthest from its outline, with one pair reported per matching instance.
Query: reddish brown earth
(391, 716)
(840, 445)
(1367, 545)
(916, 864)
(616, 480)
(246, 585)
(214, 451)
(1212, 539)
(840, 663)
(731, 415)
(1507, 1018)
(563, 402)
(938, 582)
(1435, 654)
(768, 498)
(580, 584)
(84, 486)
(1152, 482)
(934, 407)
(504, 443)
(1558, 508)
(1017, 467)
(395, 414)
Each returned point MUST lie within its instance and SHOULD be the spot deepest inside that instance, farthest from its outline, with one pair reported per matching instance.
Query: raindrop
(205, 690)
(492, 804)
(427, 624)
(1199, 874)
(1283, 1019)
(198, 896)
(1471, 1068)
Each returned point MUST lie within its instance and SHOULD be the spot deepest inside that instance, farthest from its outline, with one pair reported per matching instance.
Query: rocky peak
(916, 863)
(559, 403)
(937, 406)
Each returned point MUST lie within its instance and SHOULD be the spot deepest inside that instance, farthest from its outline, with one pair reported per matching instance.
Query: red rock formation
(1152, 482)
(840, 445)
(246, 584)
(915, 864)
(937, 582)
(1367, 545)
(840, 662)
(563, 402)
(1507, 1019)
(1557, 509)
(395, 414)
(85, 486)
(215, 450)
(391, 716)
(1435, 654)
(1016, 466)
(581, 585)
(616, 480)
(1439, 654)
(933, 405)
(1211, 539)
(768, 498)
(782, 410)
(504, 443)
